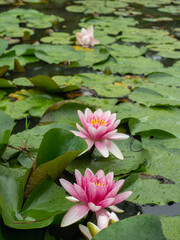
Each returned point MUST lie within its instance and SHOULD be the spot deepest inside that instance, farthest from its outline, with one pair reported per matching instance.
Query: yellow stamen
(98, 121)
(98, 184)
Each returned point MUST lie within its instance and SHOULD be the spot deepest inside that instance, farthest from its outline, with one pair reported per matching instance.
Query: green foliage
(137, 228)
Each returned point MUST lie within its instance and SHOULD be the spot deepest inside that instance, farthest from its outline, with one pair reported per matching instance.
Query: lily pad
(57, 53)
(3, 46)
(137, 227)
(146, 191)
(31, 138)
(133, 153)
(170, 226)
(156, 96)
(64, 112)
(138, 65)
(58, 148)
(7, 125)
(57, 38)
(120, 51)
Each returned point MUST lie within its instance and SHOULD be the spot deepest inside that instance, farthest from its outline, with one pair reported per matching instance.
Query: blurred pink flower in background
(93, 192)
(99, 130)
(85, 38)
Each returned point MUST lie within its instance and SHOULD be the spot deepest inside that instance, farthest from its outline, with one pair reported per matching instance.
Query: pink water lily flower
(93, 192)
(99, 130)
(85, 38)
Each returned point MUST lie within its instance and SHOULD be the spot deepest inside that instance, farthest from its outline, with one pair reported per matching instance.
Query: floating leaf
(58, 148)
(64, 112)
(7, 125)
(148, 190)
(137, 227)
(170, 226)
(133, 153)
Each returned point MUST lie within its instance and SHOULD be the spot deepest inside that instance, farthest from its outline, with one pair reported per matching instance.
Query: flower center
(98, 121)
(99, 184)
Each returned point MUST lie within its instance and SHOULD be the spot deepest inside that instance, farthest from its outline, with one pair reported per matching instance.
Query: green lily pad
(164, 79)
(162, 161)
(103, 103)
(98, 54)
(133, 153)
(170, 54)
(146, 191)
(139, 65)
(64, 112)
(57, 38)
(12, 182)
(46, 201)
(7, 125)
(170, 226)
(35, 104)
(2, 94)
(31, 138)
(120, 51)
(3, 46)
(8, 60)
(157, 118)
(137, 227)
(6, 83)
(57, 53)
(156, 96)
(58, 148)
(170, 9)
(22, 81)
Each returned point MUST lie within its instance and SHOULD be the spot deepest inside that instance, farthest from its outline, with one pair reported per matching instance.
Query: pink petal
(83, 119)
(81, 193)
(121, 197)
(72, 199)
(119, 136)
(82, 130)
(101, 192)
(102, 218)
(109, 134)
(109, 178)
(91, 191)
(69, 187)
(92, 132)
(100, 174)
(100, 131)
(106, 202)
(113, 125)
(78, 177)
(74, 214)
(119, 184)
(94, 42)
(88, 114)
(93, 207)
(115, 209)
(79, 134)
(115, 190)
(90, 30)
(102, 148)
(88, 174)
(114, 149)
(98, 113)
(106, 114)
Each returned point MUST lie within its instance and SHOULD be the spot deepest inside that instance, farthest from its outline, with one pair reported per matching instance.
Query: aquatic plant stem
(91, 150)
